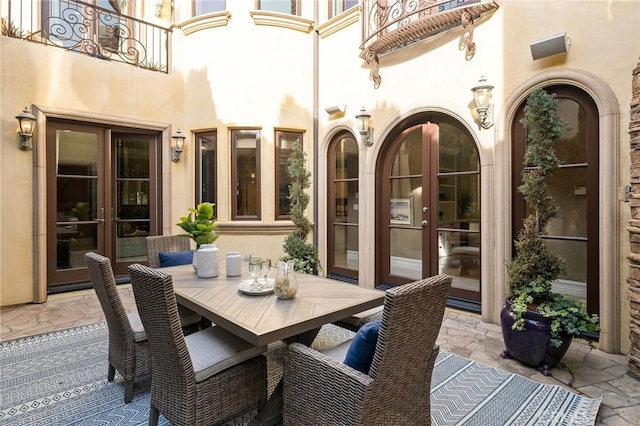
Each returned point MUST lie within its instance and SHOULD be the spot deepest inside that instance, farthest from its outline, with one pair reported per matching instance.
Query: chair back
(170, 360)
(163, 244)
(121, 341)
(406, 350)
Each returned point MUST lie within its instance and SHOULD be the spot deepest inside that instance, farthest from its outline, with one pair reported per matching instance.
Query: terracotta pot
(531, 345)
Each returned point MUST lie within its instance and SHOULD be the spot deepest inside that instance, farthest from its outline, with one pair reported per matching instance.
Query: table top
(265, 319)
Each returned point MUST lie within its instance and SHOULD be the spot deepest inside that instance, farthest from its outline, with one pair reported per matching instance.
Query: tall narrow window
(206, 167)
(245, 160)
(202, 7)
(284, 144)
(291, 7)
(342, 205)
(336, 7)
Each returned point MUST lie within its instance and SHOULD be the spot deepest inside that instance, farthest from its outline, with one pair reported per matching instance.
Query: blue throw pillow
(360, 353)
(176, 258)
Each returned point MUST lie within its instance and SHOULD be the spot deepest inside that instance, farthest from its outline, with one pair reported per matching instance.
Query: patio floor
(596, 373)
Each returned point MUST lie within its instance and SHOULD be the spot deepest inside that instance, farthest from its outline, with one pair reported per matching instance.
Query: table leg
(271, 413)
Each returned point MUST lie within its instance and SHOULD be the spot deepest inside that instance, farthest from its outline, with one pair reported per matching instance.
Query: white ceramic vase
(207, 261)
(233, 264)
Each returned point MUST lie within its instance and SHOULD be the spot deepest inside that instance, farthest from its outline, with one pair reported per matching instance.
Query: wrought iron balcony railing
(389, 25)
(88, 29)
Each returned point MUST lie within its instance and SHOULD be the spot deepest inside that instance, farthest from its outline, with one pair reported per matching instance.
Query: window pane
(346, 202)
(457, 152)
(573, 282)
(347, 159)
(406, 253)
(346, 246)
(339, 6)
(208, 6)
(207, 160)
(408, 160)
(285, 141)
(282, 6)
(573, 148)
(246, 167)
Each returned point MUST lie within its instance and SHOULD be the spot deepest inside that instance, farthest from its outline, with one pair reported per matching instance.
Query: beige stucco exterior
(248, 69)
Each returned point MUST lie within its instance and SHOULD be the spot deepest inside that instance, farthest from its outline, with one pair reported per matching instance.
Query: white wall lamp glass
(27, 123)
(482, 99)
(364, 127)
(177, 145)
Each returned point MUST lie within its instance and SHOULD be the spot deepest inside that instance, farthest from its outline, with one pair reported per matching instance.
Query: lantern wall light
(27, 122)
(364, 127)
(482, 100)
(177, 145)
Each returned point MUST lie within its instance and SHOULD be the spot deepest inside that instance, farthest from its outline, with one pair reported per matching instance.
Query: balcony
(389, 25)
(89, 30)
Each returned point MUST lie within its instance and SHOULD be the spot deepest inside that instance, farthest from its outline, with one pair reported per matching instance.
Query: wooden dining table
(263, 319)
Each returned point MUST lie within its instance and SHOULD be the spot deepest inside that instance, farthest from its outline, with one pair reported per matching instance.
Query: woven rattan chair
(165, 243)
(321, 390)
(157, 244)
(128, 345)
(204, 378)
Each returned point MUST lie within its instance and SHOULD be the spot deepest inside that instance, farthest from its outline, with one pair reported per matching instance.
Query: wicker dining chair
(204, 378)
(128, 345)
(157, 244)
(319, 389)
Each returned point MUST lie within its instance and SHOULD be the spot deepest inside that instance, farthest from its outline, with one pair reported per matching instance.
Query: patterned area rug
(60, 379)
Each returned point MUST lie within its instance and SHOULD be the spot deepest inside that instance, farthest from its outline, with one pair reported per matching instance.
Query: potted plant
(200, 224)
(297, 248)
(537, 324)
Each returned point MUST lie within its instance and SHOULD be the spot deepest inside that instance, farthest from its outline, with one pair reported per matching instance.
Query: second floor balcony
(97, 29)
(389, 25)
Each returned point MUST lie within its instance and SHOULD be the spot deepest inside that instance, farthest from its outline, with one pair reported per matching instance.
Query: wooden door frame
(44, 113)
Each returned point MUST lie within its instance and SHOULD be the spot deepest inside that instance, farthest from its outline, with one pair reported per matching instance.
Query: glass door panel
(133, 219)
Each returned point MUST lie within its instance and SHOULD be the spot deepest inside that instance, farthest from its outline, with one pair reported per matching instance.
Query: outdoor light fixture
(27, 125)
(482, 99)
(364, 127)
(177, 146)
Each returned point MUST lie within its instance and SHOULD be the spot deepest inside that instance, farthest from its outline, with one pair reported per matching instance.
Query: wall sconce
(482, 99)
(364, 127)
(27, 125)
(177, 145)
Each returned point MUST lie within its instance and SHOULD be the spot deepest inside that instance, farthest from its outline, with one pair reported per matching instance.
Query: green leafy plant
(81, 210)
(200, 224)
(296, 246)
(535, 267)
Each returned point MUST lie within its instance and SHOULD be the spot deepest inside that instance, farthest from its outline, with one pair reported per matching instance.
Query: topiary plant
(296, 246)
(535, 267)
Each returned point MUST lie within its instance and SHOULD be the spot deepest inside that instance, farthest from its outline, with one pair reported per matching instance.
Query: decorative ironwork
(393, 24)
(467, 24)
(91, 30)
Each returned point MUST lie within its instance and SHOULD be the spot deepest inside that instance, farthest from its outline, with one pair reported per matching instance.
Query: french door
(429, 207)
(102, 188)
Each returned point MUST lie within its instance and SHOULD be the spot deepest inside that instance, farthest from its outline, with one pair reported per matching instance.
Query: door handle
(101, 216)
(425, 223)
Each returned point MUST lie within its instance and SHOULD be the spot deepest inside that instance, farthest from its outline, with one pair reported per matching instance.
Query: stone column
(634, 226)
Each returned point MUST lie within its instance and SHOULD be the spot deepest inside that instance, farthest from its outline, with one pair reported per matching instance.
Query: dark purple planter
(531, 345)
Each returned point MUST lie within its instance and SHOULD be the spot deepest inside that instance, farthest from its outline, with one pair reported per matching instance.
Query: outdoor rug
(59, 378)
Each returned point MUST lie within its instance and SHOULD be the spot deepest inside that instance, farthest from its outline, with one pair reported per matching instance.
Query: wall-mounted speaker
(550, 46)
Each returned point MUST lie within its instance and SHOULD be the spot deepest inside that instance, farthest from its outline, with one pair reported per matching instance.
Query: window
(245, 174)
(202, 7)
(291, 7)
(336, 7)
(206, 168)
(284, 144)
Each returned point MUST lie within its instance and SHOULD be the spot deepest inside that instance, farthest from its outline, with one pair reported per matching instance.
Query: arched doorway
(428, 205)
(574, 233)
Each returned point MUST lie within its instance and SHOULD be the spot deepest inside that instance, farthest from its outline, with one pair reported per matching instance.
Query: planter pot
(531, 345)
